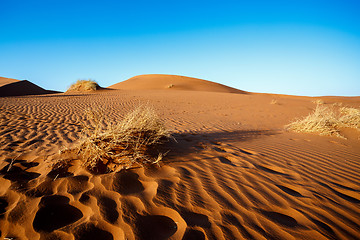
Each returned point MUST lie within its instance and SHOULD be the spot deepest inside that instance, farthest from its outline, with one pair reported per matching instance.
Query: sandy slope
(12, 87)
(172, 82)
(5, 81)
(232, 174)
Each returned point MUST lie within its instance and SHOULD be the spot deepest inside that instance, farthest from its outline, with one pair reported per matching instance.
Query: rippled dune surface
(232, 173)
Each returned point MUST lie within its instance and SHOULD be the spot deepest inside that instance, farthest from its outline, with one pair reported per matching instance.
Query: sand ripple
(219, 181)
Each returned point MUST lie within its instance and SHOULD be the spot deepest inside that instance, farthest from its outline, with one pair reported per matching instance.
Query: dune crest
(12, 87)
(5, 81)
(172, 82)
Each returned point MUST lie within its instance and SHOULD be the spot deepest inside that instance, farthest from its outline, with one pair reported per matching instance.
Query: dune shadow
(92, 232)
(18, 174)
(55, 212)
(75, 94)
(184, 144)
(155, 227)
(22, 88)
(347, 197)
(3, 205)
(280, 218)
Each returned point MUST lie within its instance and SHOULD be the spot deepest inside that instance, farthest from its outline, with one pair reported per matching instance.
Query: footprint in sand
(54, 213)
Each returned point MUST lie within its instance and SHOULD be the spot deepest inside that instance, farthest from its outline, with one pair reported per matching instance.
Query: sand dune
(13, 87)
(232, 173)
(172, 82)
(5, 81)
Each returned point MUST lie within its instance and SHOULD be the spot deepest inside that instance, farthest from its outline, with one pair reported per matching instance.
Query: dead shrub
(131, 142)
(84, 85)
(274, 101)
(318, 101)
(327, 120)
(350, 117)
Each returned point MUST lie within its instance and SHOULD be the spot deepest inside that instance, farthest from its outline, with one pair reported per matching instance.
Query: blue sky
(290, 47)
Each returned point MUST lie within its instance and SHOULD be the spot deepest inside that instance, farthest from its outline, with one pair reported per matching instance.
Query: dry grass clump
(131, 142)
(274, 101)
(350, 117)
(318, 101)
(84, 85)
(327, 120)
(322, 120)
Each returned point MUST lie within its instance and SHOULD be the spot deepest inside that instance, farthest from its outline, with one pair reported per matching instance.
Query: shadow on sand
(23, 88)
(188, 143)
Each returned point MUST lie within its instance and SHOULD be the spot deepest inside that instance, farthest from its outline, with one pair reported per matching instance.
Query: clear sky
(301, 47)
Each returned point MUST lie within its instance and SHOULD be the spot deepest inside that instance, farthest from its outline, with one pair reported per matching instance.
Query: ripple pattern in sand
(218, 184)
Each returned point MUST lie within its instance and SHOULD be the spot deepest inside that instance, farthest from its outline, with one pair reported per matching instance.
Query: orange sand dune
(232, 173)
(13, 87)
(174, 82)
(5, 81)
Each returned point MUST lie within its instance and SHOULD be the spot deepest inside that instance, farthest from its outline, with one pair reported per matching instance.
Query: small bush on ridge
(84, 85)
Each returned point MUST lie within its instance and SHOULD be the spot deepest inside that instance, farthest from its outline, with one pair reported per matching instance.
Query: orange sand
(12, 87)
(173, 82)
(233, 173)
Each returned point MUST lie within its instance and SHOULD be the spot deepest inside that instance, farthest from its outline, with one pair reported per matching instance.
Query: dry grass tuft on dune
(128, 143)
(350, 117)
(327, 120)
(322, 120)
(318, 101)
(274, 102)
(84, 85)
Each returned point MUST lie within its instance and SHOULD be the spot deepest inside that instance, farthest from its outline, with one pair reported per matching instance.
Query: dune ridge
(172, 82)
(232, 173)
(5, 81)
(12, 87)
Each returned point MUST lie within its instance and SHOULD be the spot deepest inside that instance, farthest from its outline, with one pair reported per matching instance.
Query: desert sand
(232, 173)
(14, 87)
